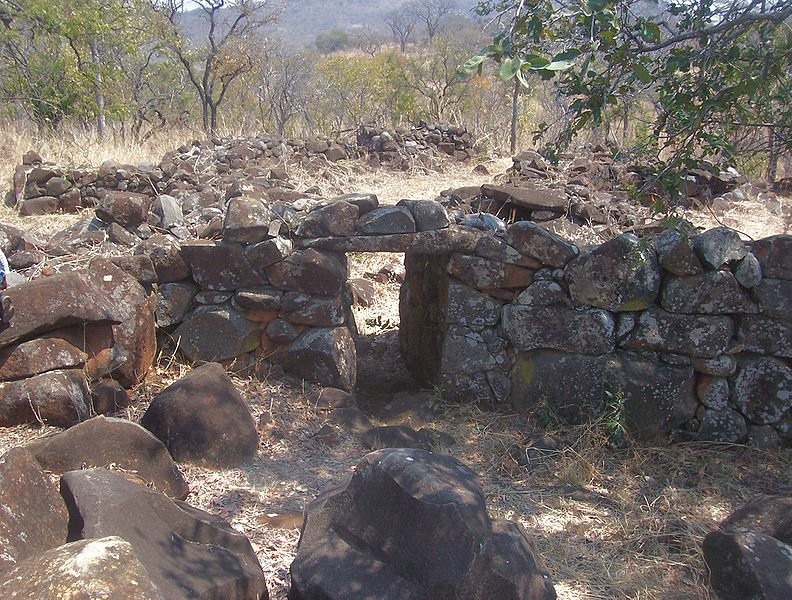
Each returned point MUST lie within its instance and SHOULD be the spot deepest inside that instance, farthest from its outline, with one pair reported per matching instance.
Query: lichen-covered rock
(128, 209)
(535, 241)
(173, 302)
(775, 298)
(165, 254)
(427, 214)
(64, 299)
(775, 256)
(762, 389)
(269, 252)
(322, 355)
(302, 309)
(657, 398)
(471, 308)
(482, 274)
(310, 271)
(713, 392)
(544, 293)
(38, 356)
(202, 419)
(719, 246)
(247, 220)
(675, 253)
(33, 516)
(386, 220)
(527, 196)
(60, 398)
(748, 271)
(749, 555)
(619, 275)
(377, 538)
(106, 567)
(764, 335)
(723, 425)
(212, 333)
(335, 219)
(589, 331)
(710, 293)
(691, 335)
(568, 385)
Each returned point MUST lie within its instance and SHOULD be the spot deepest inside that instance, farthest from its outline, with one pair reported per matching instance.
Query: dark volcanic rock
(103, 441)
(33, 517)
(187, 553)
(378, 538)
(60, 398)
(202, 419)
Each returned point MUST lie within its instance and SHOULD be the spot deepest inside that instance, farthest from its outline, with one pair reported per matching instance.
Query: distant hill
(302, 20)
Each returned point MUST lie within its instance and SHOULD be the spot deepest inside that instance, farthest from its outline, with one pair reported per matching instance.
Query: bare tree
(283, 87)
(367, 40)
(402, 25)
(431, 13)
(227, 53)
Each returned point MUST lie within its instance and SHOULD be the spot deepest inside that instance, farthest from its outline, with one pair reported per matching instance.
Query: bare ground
(609, 523)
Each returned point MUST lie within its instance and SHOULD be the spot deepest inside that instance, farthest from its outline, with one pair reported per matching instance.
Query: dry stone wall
(681, 334)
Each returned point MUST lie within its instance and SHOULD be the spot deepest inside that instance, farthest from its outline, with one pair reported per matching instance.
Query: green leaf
(472, 64)
(642, 73)
(509, 68)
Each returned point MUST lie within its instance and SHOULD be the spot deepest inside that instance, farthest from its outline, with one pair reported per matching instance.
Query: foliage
(711, 70)
(331, 41)
(52, 52)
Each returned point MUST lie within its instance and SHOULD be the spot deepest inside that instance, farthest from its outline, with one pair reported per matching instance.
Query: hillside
(302, 20)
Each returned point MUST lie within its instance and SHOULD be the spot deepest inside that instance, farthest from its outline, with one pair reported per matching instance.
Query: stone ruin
(687, 335)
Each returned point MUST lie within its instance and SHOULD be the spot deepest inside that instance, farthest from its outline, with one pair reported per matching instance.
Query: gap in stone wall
(376, 282)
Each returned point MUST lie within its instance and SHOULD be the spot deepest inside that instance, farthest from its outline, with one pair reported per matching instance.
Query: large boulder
(85, 570)
(38, 356)
(202, 419)
(619, 275)
(655, 398)
(570, 386)
(775, 256)
(750, 554)
(379, 538)
(482, 273)
(128, 209)
(44, 304)
(220, 265)
(33, 518)
(105, 441)
(187, 553)
(710, 293)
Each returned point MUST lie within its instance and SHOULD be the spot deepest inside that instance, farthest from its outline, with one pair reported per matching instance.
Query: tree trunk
(772, 156)
(101, 121)
(514, 115)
